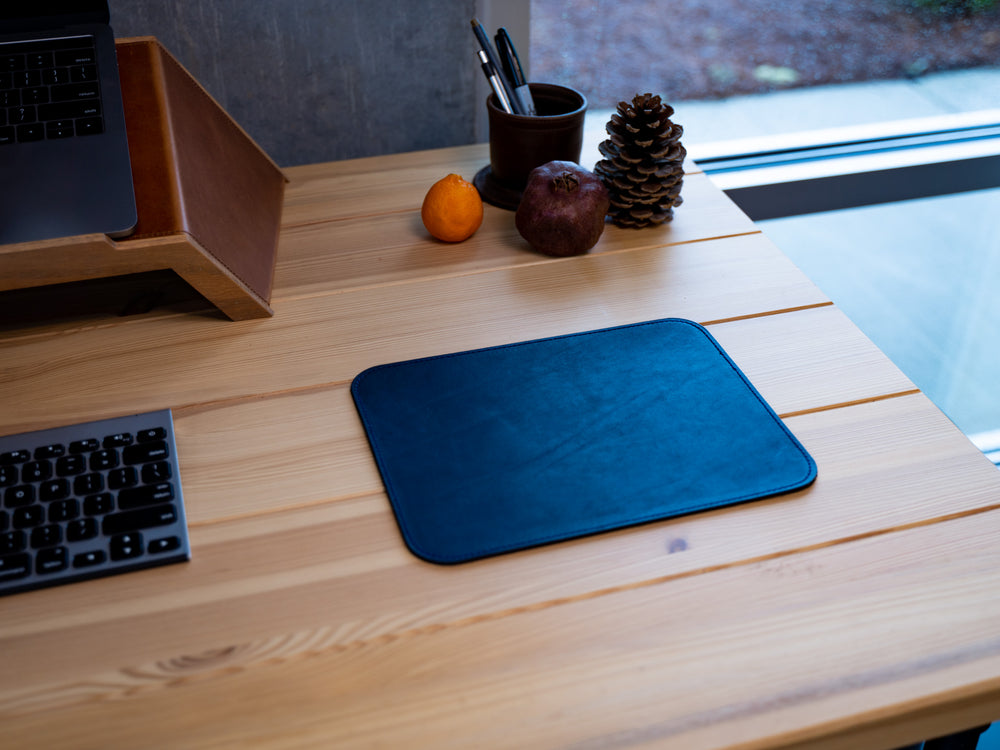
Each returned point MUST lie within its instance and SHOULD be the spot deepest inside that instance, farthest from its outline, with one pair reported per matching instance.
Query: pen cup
(519, 143)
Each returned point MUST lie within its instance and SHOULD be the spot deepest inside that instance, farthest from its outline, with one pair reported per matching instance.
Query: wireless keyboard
(90, 500)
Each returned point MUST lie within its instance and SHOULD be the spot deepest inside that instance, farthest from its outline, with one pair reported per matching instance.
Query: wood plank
(373, 185)
(322, 256)
(883, 627)
(103, 371)
(378, 184)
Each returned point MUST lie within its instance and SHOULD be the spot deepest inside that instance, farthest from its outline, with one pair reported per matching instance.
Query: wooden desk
(862, 612)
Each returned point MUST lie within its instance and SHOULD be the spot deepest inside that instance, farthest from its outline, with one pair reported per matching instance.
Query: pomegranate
(562, 209)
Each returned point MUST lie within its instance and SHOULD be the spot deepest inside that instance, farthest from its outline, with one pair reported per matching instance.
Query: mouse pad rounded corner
(499, 449)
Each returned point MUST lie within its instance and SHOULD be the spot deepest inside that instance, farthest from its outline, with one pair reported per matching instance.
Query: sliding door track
(803, 173)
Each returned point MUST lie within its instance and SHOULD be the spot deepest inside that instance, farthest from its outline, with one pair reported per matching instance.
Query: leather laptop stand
(509, 447)
(209, 199)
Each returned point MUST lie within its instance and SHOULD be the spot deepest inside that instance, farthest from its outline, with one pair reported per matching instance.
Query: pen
(512, 67)
(494, 79)
(487, 49)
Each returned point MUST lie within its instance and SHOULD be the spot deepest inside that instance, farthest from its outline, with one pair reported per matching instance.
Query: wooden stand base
(209, 199)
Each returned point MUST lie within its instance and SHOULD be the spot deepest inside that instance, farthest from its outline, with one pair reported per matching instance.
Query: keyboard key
(143, 453)
(26, 78)
(151, 494)
(88, 484)
(52, 560)
(99, 504)
(153, 434)
(19, 496)
(38, 60)
(13, 567)
(89, 126)
(36, 95)
(103, 459)
(157, 472)
(13, 541)
(50, 451)
(126, 546)
(69, 111)
(11, 62)
(55, 76)
(64, 510)
(83, 73)
(19, 115)
(25, 518)
(7, 135)
(46, 536)
(8, 475)
(53, 489)
(81, 529)
(59, 129)
(36, 471)
(87, 444)
(71, 92)
(76, 57)
(31, 132)
(166, 544)
(124, 477)
(15, 457)
(89, 559)
(118, 440)
(137, 520)
(67, 466)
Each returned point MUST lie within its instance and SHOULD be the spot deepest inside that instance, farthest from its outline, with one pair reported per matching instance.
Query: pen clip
(512, 67)
(508, 58)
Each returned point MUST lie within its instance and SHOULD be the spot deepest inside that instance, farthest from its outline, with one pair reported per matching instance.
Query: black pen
(494, 79)
(512, 67)
(487, 48)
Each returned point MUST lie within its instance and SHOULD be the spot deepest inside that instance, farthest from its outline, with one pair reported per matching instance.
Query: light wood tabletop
(863, 611)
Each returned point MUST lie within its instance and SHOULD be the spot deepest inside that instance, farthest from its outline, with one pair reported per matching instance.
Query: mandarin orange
(452, 210)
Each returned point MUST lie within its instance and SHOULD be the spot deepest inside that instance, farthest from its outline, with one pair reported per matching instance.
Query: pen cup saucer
(491, 191)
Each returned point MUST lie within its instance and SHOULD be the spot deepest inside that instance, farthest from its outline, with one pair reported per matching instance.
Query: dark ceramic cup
(519, 143)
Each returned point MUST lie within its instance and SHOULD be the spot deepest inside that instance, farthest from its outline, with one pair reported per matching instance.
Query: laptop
(64, 157)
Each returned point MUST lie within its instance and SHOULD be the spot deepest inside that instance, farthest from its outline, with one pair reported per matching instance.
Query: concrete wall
(318, 80)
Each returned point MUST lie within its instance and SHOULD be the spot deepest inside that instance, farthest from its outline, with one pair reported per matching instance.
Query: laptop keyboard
(90, 500)
(49, 90)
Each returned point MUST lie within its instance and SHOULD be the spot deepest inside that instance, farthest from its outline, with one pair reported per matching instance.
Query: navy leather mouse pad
(498, 449)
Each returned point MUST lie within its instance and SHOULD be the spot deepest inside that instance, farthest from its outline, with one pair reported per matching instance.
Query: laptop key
(11, 63)
(20, 115)
(89, 126)
(74, 92)
(30, 132)
(68, 111)
(38, 60)
(59, 129)
(36, 95)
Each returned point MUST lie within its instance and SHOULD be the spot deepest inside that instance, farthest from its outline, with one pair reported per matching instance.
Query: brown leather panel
(226, 193)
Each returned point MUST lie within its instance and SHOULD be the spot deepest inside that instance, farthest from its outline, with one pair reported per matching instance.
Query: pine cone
(643, 167)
